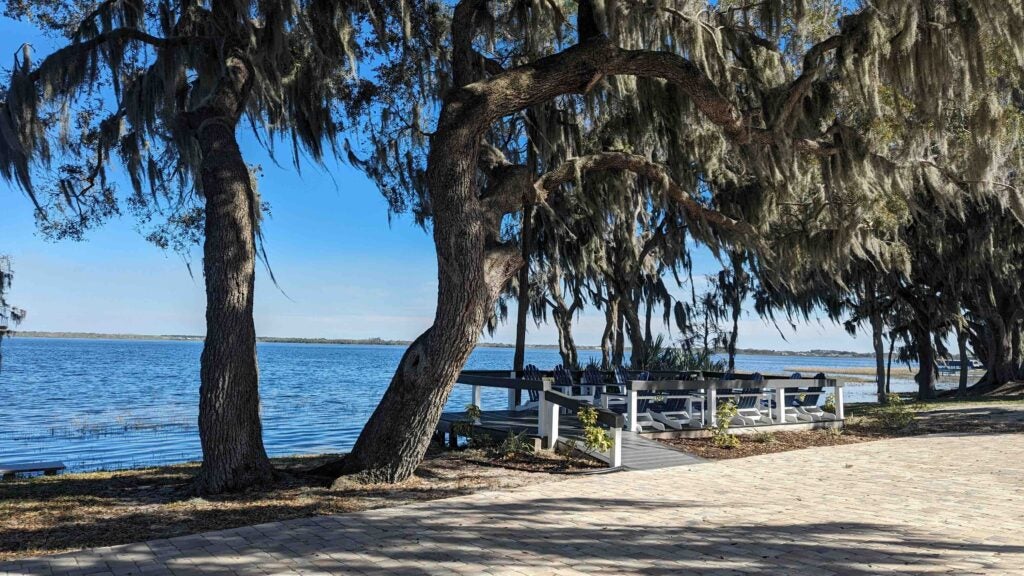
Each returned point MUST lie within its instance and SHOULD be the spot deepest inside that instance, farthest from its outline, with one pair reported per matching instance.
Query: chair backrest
(811, 397)
(621, 376)
(748, 399)
(675, 404)
(531, 373)
(563, 379)
(592, 376)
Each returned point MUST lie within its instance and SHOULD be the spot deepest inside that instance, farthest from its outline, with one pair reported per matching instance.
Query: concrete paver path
(935, 504)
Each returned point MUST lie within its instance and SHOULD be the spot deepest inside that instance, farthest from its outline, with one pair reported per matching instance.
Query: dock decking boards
(638, 453)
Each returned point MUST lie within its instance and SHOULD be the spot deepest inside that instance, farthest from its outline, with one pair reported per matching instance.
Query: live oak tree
(161, 88)
(742, 94)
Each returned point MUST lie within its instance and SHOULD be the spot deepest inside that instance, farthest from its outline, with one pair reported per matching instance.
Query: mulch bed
(864, 423)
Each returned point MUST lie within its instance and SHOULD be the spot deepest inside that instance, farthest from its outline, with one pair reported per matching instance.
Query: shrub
(764, 437)
(830, 404)
(595, 438)
(465, 427)
(895, 415)
(720, 435)
(515, 445)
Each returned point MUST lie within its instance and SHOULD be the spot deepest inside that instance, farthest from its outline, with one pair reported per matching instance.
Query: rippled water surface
(104, 404)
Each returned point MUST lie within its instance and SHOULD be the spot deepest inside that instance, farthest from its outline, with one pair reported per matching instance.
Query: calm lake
(108, 404)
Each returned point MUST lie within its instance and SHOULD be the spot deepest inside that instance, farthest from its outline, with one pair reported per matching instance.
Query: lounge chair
(564, 384)
(532, 374)
(748, 404)
(807, 410)
(678, 408)
(592, 381)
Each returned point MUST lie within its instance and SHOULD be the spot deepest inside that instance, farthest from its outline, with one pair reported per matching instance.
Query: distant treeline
(386, 342)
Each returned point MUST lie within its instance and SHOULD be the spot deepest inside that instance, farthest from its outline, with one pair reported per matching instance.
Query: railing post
(553, 410)
(840, 411)
(780, 405)
(476, 397)
(542, 410)
(710, 404)
(616, 447)
(512, 393)
(631, 411)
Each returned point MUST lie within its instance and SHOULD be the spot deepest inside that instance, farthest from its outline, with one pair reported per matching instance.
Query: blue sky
(347, 271)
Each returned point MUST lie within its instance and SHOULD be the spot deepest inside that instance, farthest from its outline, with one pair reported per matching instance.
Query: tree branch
(656, 173)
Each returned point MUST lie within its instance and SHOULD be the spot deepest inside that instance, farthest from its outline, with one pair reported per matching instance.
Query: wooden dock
(638, 453)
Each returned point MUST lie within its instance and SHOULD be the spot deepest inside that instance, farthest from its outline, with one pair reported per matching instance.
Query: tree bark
(961, 344)
(619, 349)
(523, 300)
(611, 315)
(879, 348)
(566, 343)
(1000, 368)
(925, 377)
(229, 404)
(631, 316)
(471, 272)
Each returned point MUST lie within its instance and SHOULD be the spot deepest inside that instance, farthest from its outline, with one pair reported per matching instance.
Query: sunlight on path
(918, 505)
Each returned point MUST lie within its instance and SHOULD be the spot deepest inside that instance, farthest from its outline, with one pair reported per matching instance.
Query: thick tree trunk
(1000, 368)
(888, 365)
(229, 401)
(619, 351)
(631, 315)
(566, 343)
(879, 348)
(925, 377)
(611, 314)
(470, 277)
(965, 365)
(523, 299)
(1015, 357)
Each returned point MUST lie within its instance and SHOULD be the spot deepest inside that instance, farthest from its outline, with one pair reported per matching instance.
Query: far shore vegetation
(389, 342)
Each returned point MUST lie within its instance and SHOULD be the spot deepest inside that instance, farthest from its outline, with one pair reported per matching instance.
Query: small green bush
(515, 445)
(764, 438)
(830, 404)
(895, 415)
(595, 438)
(720, 435)
(466, 426)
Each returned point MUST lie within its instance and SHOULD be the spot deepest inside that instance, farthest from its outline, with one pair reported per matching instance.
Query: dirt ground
(51, 514)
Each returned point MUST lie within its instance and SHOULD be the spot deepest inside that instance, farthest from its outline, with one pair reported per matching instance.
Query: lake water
(108, 404)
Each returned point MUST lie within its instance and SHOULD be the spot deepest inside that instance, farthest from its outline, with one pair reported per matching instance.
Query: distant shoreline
(386, 342)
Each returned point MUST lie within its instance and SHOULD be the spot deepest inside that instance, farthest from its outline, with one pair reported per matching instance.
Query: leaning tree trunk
(879, 348)
(470, 277)
(229, 403)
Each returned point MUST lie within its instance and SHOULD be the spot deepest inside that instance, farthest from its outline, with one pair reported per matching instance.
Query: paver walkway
(907, 506)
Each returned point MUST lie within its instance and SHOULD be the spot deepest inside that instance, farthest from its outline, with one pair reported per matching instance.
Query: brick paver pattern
(935, 504)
